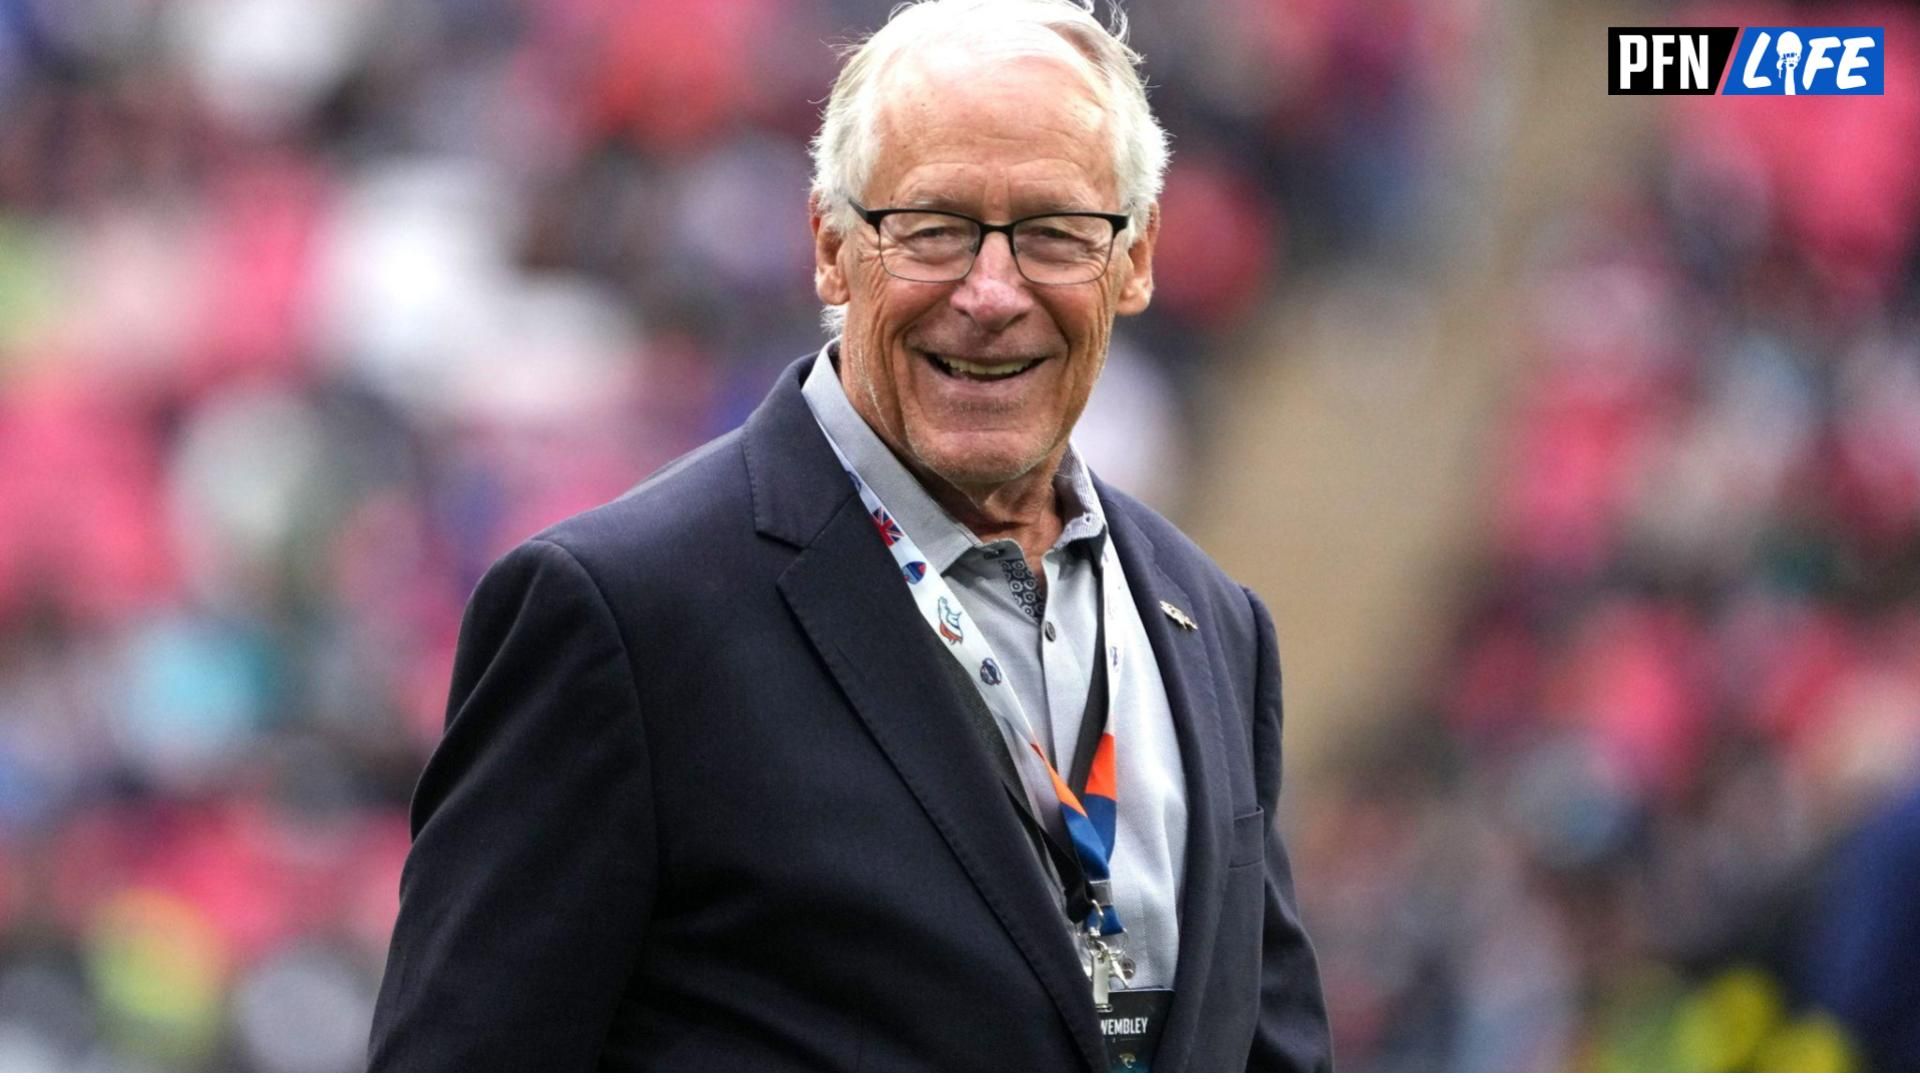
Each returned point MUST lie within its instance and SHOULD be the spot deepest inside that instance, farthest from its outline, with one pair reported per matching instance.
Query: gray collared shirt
(1047, 647)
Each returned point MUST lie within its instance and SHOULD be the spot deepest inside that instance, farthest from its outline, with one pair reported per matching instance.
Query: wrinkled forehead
(1031, 88)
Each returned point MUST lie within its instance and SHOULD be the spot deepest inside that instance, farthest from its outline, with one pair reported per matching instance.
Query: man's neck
(1025, 510)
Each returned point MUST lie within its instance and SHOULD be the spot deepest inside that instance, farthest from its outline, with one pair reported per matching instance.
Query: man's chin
(971, 463)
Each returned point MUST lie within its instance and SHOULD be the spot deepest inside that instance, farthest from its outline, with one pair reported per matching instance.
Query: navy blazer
(707, 799)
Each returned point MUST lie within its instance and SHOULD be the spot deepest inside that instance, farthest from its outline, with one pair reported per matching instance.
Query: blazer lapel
(842, 588)
(1188, 673)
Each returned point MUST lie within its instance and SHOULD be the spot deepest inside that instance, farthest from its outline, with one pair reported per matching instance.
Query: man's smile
(980, 369)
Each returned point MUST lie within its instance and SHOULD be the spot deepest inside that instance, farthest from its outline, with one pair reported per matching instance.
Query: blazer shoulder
(686, 504)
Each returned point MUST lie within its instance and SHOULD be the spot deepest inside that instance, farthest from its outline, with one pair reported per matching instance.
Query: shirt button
(1047, 629)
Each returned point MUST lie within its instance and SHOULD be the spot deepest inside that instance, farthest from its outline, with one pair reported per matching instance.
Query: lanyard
(1090, 821)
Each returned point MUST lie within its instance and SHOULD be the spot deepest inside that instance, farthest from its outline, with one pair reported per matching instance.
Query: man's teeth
(984, 371)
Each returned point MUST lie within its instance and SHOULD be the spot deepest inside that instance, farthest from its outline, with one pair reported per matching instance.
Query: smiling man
(879, 734)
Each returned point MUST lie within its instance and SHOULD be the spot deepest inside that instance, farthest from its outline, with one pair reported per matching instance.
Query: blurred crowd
(308, 311)
(1661, 809)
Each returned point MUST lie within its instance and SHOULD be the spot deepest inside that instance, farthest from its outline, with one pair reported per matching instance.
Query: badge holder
(1130, 1020)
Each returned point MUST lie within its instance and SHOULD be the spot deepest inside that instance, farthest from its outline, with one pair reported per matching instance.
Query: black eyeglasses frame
(1120, 223)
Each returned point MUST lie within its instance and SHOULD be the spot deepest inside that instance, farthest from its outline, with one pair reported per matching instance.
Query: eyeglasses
(1048, 249)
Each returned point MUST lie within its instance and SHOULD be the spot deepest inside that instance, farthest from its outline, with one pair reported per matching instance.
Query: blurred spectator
(1865, 932)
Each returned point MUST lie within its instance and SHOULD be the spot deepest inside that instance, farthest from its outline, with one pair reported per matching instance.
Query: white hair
(847, 143)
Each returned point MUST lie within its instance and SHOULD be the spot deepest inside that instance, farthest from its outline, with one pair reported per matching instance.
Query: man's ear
(1136, 292)
(829, 280)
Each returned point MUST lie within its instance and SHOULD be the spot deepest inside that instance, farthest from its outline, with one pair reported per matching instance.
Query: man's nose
(993, 294)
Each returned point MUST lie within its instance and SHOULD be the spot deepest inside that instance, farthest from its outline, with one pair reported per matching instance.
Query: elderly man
(879, 734)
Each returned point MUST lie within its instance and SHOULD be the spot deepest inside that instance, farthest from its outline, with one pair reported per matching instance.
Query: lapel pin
(1186, 622)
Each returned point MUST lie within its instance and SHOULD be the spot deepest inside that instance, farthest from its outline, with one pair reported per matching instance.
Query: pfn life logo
(1794, 60)
(1785, 60)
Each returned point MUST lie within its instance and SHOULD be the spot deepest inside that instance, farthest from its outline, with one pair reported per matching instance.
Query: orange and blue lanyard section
(1089, 821)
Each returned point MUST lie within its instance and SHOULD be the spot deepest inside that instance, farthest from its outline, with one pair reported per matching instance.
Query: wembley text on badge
(1790, 61)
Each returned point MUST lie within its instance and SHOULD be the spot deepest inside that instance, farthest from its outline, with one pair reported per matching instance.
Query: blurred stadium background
(1574, 440)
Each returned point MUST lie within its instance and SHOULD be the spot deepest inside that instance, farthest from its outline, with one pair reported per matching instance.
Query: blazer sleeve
(1291, 1034)
(531, 876)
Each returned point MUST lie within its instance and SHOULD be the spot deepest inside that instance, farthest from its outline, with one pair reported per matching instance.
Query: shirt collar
(942, 539)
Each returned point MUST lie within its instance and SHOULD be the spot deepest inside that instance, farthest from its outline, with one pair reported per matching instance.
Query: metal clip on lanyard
(1086, 901)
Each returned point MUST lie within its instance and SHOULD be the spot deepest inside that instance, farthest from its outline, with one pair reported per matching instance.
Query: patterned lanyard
(1090, 821)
